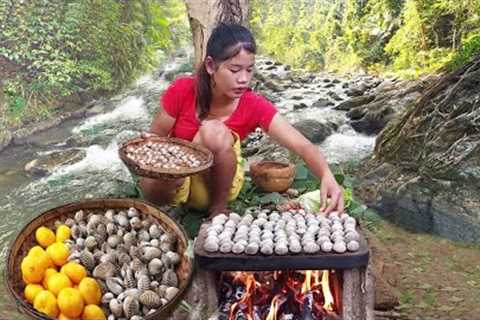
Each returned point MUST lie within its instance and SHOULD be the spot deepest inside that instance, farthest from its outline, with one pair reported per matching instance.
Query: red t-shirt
(179, 102)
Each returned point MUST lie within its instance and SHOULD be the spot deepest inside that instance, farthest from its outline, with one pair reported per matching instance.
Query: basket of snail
(272, 176)
(164, 157)
(99, 259)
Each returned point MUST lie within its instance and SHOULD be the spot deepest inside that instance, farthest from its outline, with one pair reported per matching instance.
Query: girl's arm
(286, 135)
(162, 123)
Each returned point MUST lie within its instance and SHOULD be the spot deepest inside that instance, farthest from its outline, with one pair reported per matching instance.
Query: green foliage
(61, 47)
(407, 37)
(469, 49)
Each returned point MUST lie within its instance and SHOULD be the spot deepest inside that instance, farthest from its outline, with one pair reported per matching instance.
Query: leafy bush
(62, 47)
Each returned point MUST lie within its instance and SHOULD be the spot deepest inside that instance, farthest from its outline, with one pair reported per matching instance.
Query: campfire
(281, 295)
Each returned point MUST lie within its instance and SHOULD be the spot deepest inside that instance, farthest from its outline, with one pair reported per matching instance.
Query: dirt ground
(434, 278)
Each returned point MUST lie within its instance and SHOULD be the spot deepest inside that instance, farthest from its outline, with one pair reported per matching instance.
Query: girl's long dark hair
(226, 41)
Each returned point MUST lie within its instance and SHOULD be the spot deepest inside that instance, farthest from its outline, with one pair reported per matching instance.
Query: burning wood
(278, 295)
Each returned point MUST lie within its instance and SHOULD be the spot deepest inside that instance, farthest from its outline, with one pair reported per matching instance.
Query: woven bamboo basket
(26, 239)
(205, 156)
(272, 176)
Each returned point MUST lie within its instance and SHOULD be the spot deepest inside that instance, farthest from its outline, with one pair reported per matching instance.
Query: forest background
(52, 49)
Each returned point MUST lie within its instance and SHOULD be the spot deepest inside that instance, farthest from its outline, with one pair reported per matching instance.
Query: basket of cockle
(164, 157)
(99, 259)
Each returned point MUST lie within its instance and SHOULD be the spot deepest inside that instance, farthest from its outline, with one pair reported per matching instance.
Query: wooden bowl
(26, 239)
(202, 153)
(272, 176)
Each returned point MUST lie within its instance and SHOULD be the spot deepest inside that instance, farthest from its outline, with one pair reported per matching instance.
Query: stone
(334, 96)
(322, 103)
(48, 163)
(5, 139)
(355, 102)
(373, 122)
(357, 90)
(299, 106)
(314, 130)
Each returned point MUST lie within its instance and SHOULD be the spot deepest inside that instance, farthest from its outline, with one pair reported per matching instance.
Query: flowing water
(100, 173)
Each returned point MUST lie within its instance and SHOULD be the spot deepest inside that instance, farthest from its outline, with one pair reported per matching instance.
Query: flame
(272, 314)
(258, 292)
(248, 278)
(327, 294)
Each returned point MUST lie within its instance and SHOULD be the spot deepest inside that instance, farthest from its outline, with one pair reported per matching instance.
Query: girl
(217, 109)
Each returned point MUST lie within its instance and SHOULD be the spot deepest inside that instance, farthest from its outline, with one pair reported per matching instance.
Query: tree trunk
(204, 16)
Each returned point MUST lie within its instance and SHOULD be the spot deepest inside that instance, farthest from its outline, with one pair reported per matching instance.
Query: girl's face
(231, 78)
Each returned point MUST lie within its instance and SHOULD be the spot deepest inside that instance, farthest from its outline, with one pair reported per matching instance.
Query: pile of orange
(55, 286)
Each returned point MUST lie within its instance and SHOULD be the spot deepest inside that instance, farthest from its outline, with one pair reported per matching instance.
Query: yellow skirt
(194, 193)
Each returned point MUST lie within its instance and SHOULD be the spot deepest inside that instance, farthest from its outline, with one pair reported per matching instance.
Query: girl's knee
(216, 136)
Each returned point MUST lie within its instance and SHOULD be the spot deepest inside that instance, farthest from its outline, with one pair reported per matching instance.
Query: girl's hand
(330, 190)
(146, 135)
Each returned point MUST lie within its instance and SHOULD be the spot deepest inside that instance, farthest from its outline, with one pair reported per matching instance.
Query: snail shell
(219, 219)
(136, 223)
(235, 217)
(266, 249)
(104, 270)
(326, 246)
(129, 278)
(226, 246)
(281, 248)
(132, 212)
(353, 245)
(115, 285)
(150, 299)
(155, 266)
(238, 248)
(131, 307)
(86, 258)
(107, 297)
(143, 282)
(116, 307)
(171, 258)
(311, 247)
(170, 293)
(353, 235)
(339, 247)
(79, 216)
(70, 222)
(155, 231)
(295, 246)
(109, 214)
(170, 278)
(252, 248)
(150, 253)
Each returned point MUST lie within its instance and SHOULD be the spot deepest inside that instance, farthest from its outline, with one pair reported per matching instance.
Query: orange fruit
(90, 290)
(70, 302)
(93, 312)
(59, 253)
(76, 272)
(31, 290)
(44, 260)
(62, 233)
(32, 271)
(61, 316)
(35, 251)
(47, 275)
(44, 236)
(57, 282)
(46, 302)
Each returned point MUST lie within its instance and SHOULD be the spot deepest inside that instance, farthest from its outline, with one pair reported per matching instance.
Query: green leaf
(192, 222)
(302, 172)
(273, 197)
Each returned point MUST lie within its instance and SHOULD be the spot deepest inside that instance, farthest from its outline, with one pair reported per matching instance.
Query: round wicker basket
(272, 176)
(205, 156)
(26, 239)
